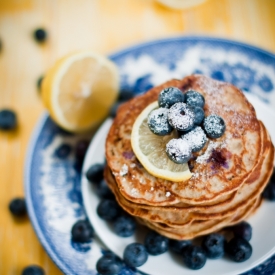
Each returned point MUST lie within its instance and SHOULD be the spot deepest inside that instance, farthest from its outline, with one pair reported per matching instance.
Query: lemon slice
(79, 90)
(150, 150)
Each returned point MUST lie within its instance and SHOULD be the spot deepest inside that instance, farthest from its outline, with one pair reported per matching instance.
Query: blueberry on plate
(103, 190)
(8, 119)
(179, 246)
(125, 95)
(199, 115)
(181, 117)
(109, 264)
(63, 151)
(214, 126)
(108, 210)
(158, 122)
(213, 245)
(194, 98)
(269, 191)
(125, 226)
(243, 230)
(238, 249)
(95, 173)
(33, 270)
(40, 35)
(170, 96)
(135, 255)
(178, 150)
(194, 257)
(81, 148)
(155, 243)
(196, 138)
(17, 207)
(82, 231)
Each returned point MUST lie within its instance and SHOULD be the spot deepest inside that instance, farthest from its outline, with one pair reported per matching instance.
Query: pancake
(240, 146)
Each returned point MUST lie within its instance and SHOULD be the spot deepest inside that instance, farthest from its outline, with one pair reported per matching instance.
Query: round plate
(52, 185)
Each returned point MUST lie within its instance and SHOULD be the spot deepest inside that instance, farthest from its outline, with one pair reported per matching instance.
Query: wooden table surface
(104, 26)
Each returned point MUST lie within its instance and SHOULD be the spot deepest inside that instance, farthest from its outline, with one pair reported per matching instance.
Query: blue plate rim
(42, 120)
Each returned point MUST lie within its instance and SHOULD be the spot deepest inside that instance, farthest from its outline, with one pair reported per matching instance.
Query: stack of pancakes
(228, 174)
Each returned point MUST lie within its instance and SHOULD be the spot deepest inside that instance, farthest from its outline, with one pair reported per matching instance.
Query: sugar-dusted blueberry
(158, 122)
(124, 225)
(194, 98)
(179, 246)
(213, 245)
(181, 117)
(194, 257)
(82, 231)
(33, 270)
(102, 190)
(109, 264)
(63, 151)
(169, 96)
(95, 173)
(178, 150)
(40, 35)
(214, 126)
(8, 119)
(155, 243)
(135, 255)
(199, 115)
(196, 138)
(243, 230)
(18, 207)
(238, 249)
(108, 209)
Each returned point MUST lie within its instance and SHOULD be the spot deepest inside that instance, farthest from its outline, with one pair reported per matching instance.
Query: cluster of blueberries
(213, 246)
(184, 112)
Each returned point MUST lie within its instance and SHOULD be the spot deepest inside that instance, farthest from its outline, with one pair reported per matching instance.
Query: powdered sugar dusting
(196, 139)
(124, 170)
(178, 150)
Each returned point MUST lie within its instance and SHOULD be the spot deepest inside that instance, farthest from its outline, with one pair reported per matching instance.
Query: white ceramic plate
(263, 240)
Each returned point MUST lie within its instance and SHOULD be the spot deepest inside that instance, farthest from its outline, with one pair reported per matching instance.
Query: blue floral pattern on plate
(53, 185)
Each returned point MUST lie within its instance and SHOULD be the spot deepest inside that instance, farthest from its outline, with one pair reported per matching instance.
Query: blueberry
(8, 119)
(242, 230)
(238, 249)
(178, 150)
(155, 243)
(214, 126)
(81, 148)
(109, 264)
(170, 96)
(135, 255)
(196, 138)
(199, 115)
(103, 191)
(181, 117)
(82, 231)
(125, 95)
(125, 226)
(114, 108)
(63, 151)
(179, 246)
(194, 98)
(39, 82)
(33, 270)
(95, 173)
(194, 257)
(40, 35)
(213, 245)
(18, 207)
(269, 192)
(158, 122)
(108, 210)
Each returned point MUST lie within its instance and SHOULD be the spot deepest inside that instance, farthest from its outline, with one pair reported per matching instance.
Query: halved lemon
(150, 150)
(79, 90)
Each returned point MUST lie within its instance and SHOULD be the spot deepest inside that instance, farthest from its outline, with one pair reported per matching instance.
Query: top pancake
(239, 146)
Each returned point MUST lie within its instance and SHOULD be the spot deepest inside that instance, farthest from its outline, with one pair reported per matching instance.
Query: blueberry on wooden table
(125, 226)
(135, 255)
(178, 246)
(109, 264)
(238, 249)
(17, 207)
(95, 173)
(155, 243)
(108, 210)
(40, 35)
(213, 245)
(194, 257)
(82, 231)
(33, 270)
(8, 119)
